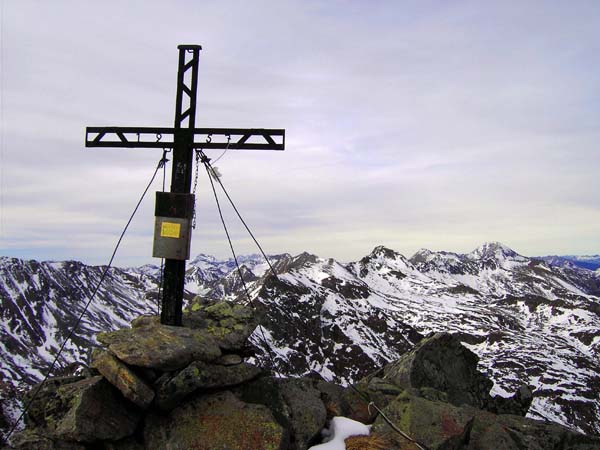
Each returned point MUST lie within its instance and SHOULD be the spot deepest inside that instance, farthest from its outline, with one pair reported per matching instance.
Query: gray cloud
(412, 124)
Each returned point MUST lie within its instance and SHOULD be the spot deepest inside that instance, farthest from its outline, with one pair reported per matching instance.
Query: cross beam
(183, 138)
(204, 138)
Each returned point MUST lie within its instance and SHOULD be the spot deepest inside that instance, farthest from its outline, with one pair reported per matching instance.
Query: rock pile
(160, 387)
(435, 395)
(154, 386)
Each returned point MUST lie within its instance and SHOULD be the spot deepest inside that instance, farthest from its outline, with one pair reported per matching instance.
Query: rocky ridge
(158, 387)
(529, 321)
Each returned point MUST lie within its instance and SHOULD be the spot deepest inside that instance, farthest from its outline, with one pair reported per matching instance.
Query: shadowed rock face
(439, 425)
(86, 410)
(442, 363)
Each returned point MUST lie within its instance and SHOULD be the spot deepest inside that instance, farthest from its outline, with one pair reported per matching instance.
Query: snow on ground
(340, 429)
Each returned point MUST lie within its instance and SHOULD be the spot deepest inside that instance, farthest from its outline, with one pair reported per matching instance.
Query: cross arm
(204, 138)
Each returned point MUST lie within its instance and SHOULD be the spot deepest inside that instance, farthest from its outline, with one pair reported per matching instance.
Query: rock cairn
(157, 387)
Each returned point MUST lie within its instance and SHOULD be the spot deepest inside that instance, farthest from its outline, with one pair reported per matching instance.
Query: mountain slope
(530, 322)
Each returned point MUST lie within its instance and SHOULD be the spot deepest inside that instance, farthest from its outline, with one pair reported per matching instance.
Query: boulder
(345, 402)
(518, 404)
(295, 403)
(123, 378)
(231, 324)
(218, 421)
(199, 375)
(435, 424)
(512, 432)
(84, 411)
(307, 412)
(441, 362)
(438, 425)
(44, 401)
(161, 347)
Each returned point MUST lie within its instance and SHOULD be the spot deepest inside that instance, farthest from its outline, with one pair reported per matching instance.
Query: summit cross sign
(183, 138)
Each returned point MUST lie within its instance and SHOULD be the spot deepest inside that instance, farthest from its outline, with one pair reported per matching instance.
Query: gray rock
(199, 375)
(307, 411)
(439, 425)
(344, 401)
(218, 421)
(295, 403)
(518, 404)
(84, 411)
(145, 321)
(44, 401)
(161, 347)
(231, 324)
(97, 413)
(229, 360)
(441, 362)
(123, 378)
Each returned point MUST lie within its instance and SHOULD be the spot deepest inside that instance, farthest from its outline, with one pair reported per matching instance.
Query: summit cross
(183, 138)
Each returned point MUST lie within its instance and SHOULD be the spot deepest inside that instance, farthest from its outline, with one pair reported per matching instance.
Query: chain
(198, 153)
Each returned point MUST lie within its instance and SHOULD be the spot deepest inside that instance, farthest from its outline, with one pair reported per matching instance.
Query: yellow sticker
(170, 229)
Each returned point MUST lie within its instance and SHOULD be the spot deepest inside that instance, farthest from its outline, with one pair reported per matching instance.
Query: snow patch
(340, 429)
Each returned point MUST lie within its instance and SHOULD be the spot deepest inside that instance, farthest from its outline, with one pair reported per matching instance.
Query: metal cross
(183, 140)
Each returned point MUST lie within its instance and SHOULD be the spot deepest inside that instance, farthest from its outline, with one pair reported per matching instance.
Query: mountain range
(530, 320)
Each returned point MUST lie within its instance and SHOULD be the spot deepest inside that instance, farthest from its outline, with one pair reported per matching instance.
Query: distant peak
(493, 249)
(422, 255)
(382, 250)
(203, 257)
(305, 258)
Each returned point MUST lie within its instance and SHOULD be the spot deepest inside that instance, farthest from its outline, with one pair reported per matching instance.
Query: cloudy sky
(411, 124)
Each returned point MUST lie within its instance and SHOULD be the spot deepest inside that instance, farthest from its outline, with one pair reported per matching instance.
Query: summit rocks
(434, 394)
(160, 347)
(160, 387)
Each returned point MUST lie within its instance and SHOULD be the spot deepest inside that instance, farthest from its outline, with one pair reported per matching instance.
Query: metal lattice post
(184, 139)
(181, 175)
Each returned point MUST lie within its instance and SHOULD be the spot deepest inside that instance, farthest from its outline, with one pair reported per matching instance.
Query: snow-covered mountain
(590, 262)
(529, 321)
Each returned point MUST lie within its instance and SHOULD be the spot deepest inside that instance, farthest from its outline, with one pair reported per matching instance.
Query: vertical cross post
(177, 205)
(181, 175)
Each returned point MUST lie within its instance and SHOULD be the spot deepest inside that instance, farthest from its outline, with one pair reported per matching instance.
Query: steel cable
(74, 328)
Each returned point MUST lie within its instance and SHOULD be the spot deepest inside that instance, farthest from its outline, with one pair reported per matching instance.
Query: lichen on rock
(162, 347)
(201, 376)
(218, 421)
(123, 378)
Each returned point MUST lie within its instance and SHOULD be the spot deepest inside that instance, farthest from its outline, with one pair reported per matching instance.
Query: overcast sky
(436, 124)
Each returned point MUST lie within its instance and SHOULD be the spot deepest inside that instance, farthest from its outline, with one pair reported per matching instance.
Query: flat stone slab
(199, 375)
(161, 347)
(123, 378)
